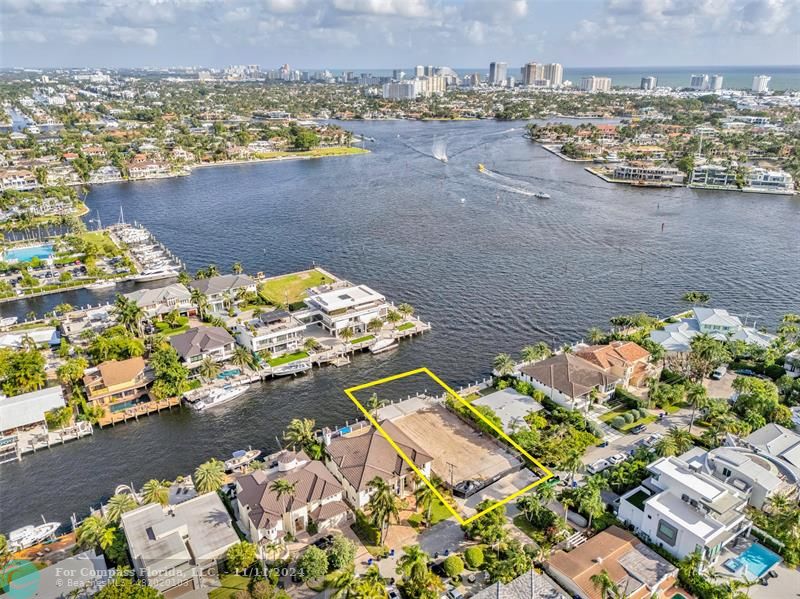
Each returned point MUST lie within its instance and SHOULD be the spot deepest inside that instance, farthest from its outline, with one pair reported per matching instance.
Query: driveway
(722, 388)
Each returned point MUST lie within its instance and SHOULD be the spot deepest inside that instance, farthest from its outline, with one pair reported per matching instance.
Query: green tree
(490, 527)
(300, 432)
(426, 497)
(697, 397)
(124, 587)
(156, 491)
(412, 555)
(383, 505)
(503, 364)
(244, 359)
(171, 377)
(208, 368)
(312, 564)
(453, 566)
(241, 556)
(118, 505)
(538, 351)
(283, 488)
(341, 553)
(95, 531)
(209, 476)
(606, 586)
(406, 310)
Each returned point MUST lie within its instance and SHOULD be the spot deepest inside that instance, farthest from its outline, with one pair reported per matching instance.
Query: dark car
(638, 429)
(745, 372)
(323, 542)
(438, 569)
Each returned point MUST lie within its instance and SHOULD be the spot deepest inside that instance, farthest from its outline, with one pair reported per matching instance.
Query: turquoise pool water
(43, 252)
(758, 559)
(229, 374)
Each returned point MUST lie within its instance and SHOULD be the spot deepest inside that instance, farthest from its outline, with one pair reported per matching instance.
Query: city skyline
(380, 34)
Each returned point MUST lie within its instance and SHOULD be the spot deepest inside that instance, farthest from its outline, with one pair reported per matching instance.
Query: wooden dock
(142, 409)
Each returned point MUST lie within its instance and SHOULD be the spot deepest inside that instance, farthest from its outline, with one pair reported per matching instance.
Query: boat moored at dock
(240, 459)
(30, 535)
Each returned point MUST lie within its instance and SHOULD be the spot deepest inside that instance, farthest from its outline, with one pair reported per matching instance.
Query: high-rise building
(398, 74)
(419, 71)
(761, 84)
(474, 80)
(648, 83)
(497, 73)
(531, 72)
(554, 73)
(715, 83)
(699, 82)
(596, 84)
(429, 70)
(402, 90)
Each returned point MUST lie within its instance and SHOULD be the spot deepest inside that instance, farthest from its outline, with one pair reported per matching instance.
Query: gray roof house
(530, 585)
(201, 342)
(81, 575)
(163, 300)
(176, 546)
(222, 288)
(720, 324)
(28, 409)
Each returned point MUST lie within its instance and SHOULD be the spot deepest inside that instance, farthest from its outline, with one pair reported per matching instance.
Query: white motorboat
(154, 275)
(382, 345)
(295, 367)
(219, 396)
(31, 535)
(542, 195)
(241, 459)
(9, 321)
(101, 285)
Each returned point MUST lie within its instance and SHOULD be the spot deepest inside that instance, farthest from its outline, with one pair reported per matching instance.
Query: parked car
(653, 439)
(745, 372)
(617, 458)
(454, 594)
(719, 373)
(597, 466)
(323, 542)
(392, 592)
(638, 429)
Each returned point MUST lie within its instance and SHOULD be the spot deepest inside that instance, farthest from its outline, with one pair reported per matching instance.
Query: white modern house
(160, 301)
(266, 516)
(277, 332)
(718, 323)
(346, 306)
(683, 510)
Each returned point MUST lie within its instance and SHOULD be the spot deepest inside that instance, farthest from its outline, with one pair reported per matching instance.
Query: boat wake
(439, 150)
(508, 183)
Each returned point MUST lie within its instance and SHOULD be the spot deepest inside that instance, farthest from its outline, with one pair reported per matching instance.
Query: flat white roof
(510, 405)
(693, 481)
(347, 297)
(29, 408)
(678, 511)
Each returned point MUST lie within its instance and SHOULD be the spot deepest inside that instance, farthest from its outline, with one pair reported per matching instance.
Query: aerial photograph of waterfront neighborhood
(366, 299)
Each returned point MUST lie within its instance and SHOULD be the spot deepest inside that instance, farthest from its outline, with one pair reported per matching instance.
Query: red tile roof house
(626, 360)
(264, 516)
(357, 458)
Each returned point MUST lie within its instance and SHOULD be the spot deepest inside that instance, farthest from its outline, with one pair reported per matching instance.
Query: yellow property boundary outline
(547, 473)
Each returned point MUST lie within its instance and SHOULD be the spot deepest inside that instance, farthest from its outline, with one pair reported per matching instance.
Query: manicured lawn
(439, 512)
(164, 328)
(100, 243)
(608, 417)
(231, 584)
(313, 153)
(362, 339)
(405, 326)
(285, 359)
(364, 536)
(292, 287)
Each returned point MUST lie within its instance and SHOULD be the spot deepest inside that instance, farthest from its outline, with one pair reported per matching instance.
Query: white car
(617, 458)
(653, 439)
(597, 466)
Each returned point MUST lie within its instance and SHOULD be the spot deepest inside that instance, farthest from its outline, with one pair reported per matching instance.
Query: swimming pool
(757, 559)
(43, 252)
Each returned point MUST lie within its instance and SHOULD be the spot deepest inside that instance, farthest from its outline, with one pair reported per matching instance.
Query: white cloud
(26, 36)
(146, 36)
(402, 8)
(285, 6)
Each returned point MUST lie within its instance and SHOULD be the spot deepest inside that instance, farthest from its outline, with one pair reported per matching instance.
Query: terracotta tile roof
(117, 372)
(616, 353)
(569, 374)
(365, 455)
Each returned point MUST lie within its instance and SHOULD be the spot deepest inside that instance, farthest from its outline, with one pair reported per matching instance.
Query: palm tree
(697, 397)
(572, 463)
(118, 505)
(243, 358)
(346, 584)
(607, 587)
(779, 504)
(237, 268)
(383, 505)
(209, 476)
(156, 491)
(426, 497)
(212, 270)
(372, 585)
(300, 432)
(393, 317)
(208, 368)
(596, 335)
(590, 502)
(535, 352)
(311, 344)
(283, 488)
(681, 438)
(128, 314)
(665, 447)
(346, 334)
(95, 531)
(374, 404)
(412, 554)
(567, 503)
(405, 309)
(375, 325)
(201, 301)
(503, 364)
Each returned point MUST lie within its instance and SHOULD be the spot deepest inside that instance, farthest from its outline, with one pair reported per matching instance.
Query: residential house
(174, 548)
(718, 323)
(568, 380)
(358, 457)
(277, 332)
(72, 324)
(76, 577)
(25, 411)
(638, 571)
(117, 384)
(199, 343)
(791, 363)
(160, 301)
(531, 585)
(264, 515)
(683, 510)
(510, 406)
(626, 360)
(224, 291)
(17, 180)
(757, 473)
(647, 172)
(346, 306)
(105, 174)
(42, 337)
(147, 169)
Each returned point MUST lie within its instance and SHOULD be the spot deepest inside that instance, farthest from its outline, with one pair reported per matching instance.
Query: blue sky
(398, 33)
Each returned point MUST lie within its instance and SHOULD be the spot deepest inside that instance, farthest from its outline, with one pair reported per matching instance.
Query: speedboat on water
(101, 285)
(31, 535)
(241, 459)
(219, 396)
(382, 345)
(542, 195)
